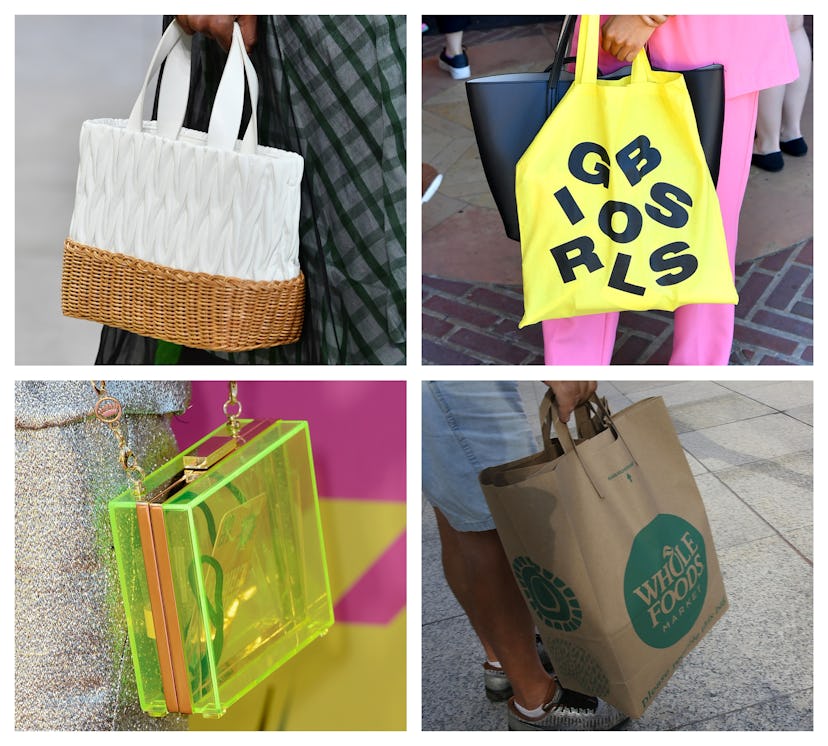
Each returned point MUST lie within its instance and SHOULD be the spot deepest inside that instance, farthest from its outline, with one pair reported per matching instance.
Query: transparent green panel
(248, 567)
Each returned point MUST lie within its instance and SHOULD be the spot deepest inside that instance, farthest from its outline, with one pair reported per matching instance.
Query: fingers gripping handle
(548, 418)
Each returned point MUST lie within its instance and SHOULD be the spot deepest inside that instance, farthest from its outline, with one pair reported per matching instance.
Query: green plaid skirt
(332, 88)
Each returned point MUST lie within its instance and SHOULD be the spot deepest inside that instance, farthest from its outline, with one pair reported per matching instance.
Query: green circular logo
(665, 582)
(551, 598)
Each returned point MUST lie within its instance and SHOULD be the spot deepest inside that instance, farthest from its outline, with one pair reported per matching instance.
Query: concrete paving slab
(803, 414)
(453, 693)
(795, 709)
(738, 443)
(732, 522)
(714, 411)
(781, 490)
(781, 395)
(677, 392)
(802, 540)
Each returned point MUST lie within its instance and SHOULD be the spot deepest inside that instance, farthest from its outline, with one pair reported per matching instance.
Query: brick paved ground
(475, 323)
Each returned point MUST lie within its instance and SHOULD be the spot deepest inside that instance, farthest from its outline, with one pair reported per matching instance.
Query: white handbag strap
(176, 48)
(225, 118)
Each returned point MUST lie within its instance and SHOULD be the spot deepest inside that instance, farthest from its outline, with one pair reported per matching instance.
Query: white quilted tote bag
(187, 236)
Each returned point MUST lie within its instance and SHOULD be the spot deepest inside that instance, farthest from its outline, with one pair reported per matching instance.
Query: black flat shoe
(769, 161)
(797, 147)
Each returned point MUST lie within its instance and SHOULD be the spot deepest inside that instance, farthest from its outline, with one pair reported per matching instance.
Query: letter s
(668, 257)
(669, 197)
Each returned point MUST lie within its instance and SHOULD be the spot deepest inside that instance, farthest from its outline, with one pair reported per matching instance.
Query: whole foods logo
(665, 582)
(667, 205)
(551, 598)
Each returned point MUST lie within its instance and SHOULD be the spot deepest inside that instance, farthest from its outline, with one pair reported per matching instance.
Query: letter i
(568, 205)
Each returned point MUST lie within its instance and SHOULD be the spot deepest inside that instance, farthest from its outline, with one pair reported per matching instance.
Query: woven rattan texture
(207, 312)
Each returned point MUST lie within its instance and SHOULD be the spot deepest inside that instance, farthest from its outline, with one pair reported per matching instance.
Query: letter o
(634, 222)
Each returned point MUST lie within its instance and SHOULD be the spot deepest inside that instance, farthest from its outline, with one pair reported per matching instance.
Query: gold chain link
(109, 411)
(233, 415)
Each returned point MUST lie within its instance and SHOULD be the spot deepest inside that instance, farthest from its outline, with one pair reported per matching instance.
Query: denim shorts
(467, 426)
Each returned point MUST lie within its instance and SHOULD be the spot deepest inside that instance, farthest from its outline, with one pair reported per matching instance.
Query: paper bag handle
(176, 48)
(549, 418)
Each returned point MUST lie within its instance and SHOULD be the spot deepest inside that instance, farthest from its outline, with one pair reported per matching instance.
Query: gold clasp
(233, 414)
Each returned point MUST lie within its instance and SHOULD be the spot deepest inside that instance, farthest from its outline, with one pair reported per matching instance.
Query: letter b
(637, 159)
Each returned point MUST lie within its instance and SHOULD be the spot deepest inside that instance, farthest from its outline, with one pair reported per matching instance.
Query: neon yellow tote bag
(616, 205)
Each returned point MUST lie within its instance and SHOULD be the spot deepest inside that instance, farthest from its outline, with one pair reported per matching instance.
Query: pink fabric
(357, 428)
(756, 51)
(379, 595)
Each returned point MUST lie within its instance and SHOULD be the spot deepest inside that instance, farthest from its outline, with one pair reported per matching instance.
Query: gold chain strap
(109, 411)
(232, 414)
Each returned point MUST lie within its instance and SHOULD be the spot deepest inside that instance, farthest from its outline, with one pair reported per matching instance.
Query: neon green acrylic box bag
(222, 565)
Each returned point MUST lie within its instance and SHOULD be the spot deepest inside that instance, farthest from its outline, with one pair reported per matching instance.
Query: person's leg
(496, 609)
(581, 340)
(796, 91)
(703, 333)
(454, 43)
(768, 121)
(453, 58)
(467, 426)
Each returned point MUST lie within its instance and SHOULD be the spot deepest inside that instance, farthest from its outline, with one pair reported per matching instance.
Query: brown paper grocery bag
(609, 541)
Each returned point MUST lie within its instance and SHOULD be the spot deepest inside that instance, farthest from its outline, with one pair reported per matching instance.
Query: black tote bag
(508, 110)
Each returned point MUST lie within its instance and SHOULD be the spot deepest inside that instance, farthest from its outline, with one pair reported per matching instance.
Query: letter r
(567, 260)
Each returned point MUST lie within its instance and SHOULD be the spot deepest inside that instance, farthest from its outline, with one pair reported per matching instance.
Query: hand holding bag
(187, 236)
(609, 542)
(508, 111)
(616, 205)
(221, 561)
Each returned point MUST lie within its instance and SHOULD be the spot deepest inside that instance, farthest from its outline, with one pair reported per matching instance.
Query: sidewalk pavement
(472, 284)
(750, 447)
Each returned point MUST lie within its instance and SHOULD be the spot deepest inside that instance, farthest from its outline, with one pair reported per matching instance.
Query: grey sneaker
(568, 710)
(498, 686)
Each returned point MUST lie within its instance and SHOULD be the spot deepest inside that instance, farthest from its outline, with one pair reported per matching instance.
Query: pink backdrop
(357, 428)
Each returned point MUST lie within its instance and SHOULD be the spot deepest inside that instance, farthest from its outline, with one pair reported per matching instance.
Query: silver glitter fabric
(73, 669)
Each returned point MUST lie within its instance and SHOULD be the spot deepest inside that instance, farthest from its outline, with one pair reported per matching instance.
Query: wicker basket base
(207, 312)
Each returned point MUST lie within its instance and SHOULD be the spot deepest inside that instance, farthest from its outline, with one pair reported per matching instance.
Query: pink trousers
(702, 334)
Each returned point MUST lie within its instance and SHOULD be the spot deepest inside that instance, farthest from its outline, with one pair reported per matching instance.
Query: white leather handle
(225, 118)
(176, 48)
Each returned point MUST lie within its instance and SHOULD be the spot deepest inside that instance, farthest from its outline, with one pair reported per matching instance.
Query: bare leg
(479, 575)
(796, 91)
(780, 108)
(768, 120)
(454, 43)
